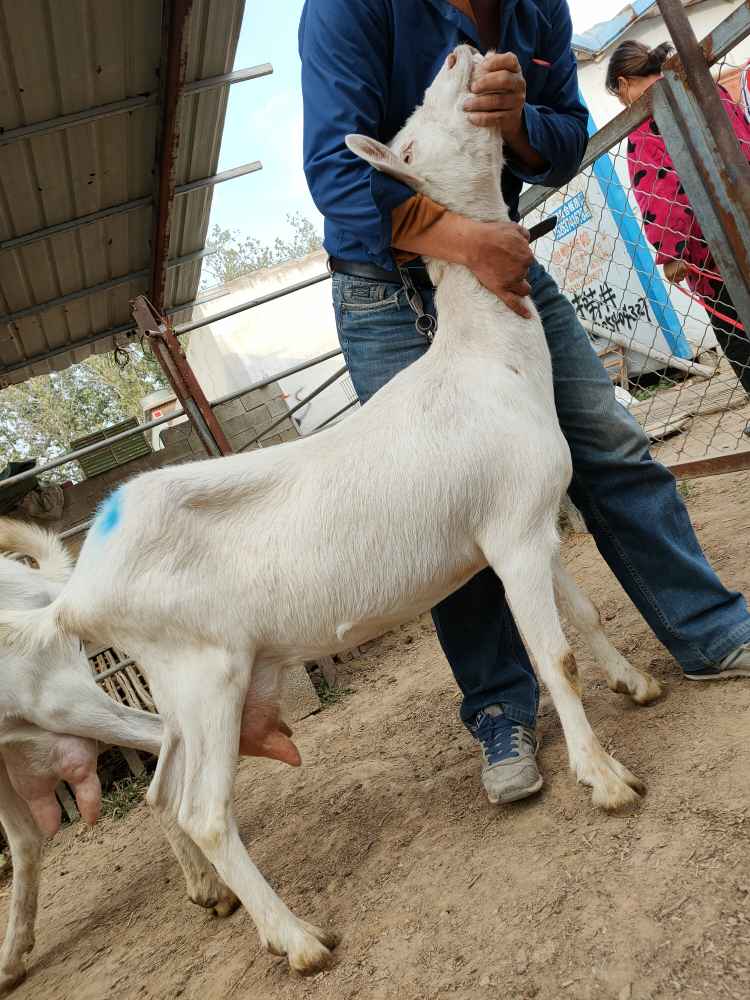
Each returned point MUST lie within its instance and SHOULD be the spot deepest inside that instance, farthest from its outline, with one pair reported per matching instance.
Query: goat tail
(44, 547)
(30, 630)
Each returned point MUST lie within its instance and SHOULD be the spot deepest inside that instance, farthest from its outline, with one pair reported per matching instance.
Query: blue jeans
(629, 502)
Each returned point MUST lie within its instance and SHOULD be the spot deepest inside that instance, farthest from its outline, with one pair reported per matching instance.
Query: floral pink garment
(668, 220)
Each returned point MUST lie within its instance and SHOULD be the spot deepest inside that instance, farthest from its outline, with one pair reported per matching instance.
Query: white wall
(260, 342)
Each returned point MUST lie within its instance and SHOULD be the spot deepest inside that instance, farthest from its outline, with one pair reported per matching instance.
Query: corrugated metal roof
(598, 38)
(61, 58)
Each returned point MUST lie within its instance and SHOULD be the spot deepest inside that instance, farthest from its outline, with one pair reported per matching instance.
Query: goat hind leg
(204, 887)
(622, 676)
(194, 781)
(527, 577)
(25, 843)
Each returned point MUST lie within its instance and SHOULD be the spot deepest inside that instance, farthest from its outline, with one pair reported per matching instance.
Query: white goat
(218, 575)
(44, 697)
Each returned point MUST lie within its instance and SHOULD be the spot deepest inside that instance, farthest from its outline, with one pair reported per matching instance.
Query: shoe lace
(501, 739)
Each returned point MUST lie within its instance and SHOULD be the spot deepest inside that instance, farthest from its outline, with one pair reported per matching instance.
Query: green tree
(235, 255)
(39, 418)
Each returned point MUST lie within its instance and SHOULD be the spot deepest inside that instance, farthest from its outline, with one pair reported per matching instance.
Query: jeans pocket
(358, 295)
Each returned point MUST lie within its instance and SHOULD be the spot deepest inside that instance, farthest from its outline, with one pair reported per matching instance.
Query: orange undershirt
(419, 212)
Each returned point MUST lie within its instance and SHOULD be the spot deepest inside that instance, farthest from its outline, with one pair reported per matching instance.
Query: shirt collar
(467, 24)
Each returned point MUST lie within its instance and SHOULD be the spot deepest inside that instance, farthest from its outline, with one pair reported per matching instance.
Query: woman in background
(668, 219)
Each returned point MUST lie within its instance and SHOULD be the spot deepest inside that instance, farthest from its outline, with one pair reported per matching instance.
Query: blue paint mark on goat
(109, 513)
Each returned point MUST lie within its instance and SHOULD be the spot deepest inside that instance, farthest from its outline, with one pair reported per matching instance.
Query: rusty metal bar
(171, 357)
(706, 154)
(174, 62)
(719, 466)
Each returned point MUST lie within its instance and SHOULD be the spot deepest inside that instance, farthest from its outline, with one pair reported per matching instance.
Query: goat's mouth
(461, 63)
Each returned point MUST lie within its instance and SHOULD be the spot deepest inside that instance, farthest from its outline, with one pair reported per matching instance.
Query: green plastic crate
(119, 453)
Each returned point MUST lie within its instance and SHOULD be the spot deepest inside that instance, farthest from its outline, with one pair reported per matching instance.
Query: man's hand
(675, 270)
(499, 96)
(500, 256)
(499, 91)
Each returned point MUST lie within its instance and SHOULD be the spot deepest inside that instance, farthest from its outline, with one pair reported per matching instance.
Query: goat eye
(407, 157)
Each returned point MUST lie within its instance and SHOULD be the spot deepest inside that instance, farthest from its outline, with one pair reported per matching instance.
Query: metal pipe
(333, 416)
(236, 76)
(260, 301)
(72, 456)
(103, 286)
(126, 106)
(129, 330)
(293, 410)
(71, 225)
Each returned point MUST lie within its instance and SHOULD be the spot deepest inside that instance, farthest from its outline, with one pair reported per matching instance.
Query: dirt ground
(385, 835)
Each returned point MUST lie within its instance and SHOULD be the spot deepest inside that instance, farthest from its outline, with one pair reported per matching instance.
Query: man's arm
(546, 139)
(345, 50)
(345, 47)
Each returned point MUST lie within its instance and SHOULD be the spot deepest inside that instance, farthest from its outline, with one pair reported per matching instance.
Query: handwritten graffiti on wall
(599, 304)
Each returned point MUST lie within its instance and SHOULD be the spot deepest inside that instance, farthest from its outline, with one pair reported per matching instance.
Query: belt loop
(426, 325)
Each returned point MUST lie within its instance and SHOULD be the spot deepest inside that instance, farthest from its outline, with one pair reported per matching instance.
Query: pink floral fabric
(668, 218)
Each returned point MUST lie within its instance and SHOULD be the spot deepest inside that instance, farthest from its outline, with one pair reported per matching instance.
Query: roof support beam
(148, 100)
(102, 286)
(127, 206)
(174, 62)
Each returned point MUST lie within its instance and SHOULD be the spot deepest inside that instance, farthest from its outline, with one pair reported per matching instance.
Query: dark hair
(632, 58)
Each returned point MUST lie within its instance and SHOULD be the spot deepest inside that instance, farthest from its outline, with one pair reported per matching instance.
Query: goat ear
(383, 159)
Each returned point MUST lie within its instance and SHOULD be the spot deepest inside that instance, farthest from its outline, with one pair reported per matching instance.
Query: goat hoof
(614, 786)
(226, 904)
(308, 949)
(643, 688)
(9, 979)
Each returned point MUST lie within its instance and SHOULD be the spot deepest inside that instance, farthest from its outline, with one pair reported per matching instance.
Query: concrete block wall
(242, 419)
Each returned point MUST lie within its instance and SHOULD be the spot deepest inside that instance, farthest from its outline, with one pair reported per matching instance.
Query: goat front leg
(622, 676)
(25, 843)
(527, 576)
(201, 696)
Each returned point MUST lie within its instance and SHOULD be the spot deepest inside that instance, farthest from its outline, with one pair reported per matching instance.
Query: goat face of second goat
(439, 152)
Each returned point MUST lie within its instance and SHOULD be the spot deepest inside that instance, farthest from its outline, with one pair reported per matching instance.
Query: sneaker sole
(522, 793)
(724, 675)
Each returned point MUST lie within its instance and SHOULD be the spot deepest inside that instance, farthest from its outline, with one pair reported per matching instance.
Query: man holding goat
(365, 66)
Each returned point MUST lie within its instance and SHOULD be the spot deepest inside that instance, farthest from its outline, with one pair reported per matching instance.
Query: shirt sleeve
(668, 219)
(343, 91)
(410, 218)
(556, 120)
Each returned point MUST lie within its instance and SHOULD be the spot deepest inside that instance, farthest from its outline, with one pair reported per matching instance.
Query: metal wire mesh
(677, 352)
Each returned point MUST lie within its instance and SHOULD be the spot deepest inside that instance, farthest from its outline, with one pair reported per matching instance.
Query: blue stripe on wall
(617, 201)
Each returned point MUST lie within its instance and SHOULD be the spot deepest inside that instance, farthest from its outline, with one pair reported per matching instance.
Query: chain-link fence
(676, 350)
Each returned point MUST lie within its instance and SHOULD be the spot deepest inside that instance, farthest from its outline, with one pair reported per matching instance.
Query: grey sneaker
(509, 769)
(736, 664)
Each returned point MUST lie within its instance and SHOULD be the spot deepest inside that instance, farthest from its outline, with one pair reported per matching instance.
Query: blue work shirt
(366, 65)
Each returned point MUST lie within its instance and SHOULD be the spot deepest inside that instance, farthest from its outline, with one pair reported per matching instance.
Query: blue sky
(264, 121)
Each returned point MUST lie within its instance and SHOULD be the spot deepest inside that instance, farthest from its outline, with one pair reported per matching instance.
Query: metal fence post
(171, 357)
(702, 144)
